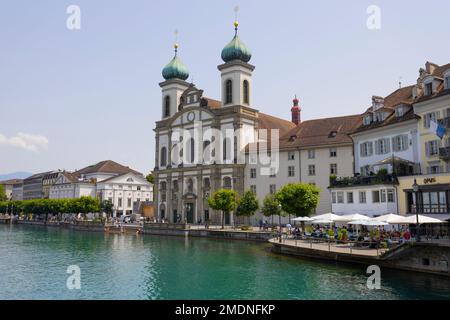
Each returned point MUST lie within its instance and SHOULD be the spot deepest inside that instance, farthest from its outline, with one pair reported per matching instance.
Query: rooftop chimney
(377, 103)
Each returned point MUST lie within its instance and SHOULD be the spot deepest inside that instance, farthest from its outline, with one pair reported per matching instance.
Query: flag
(437, 129)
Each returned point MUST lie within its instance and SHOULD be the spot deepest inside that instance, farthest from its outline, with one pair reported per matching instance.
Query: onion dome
(175, 69)
(236, 49)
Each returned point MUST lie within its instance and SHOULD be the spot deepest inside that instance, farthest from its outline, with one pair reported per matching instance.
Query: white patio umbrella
(302, 219)
(326, 216)
(352, 217)
(368, 223)
(389, 218)
(413, 220)
(321, 221)
(422, 219)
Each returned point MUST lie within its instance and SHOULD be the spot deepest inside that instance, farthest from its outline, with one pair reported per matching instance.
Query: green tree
(224, 200)
(150, 178)
(298, 199)
(2, 193)
(271, 206)
(107, 207)
(247, 205)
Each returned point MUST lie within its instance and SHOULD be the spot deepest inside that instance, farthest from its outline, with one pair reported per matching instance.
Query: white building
(106, 180)
(386, 139)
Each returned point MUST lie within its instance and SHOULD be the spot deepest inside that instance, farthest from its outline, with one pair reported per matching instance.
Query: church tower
(296, 112)
(175, 75)
(236, 72)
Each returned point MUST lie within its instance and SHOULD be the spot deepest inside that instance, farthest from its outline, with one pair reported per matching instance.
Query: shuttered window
(400, 143)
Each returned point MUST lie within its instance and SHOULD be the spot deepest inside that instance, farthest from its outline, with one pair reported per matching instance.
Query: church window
(166, 106)
(163, 156)
(229, 92)
(246, 92)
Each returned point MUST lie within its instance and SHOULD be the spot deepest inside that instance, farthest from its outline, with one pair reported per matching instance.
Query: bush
(246, 228)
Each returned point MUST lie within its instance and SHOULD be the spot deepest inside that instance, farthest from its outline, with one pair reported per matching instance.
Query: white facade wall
(369, 207)
(408, 128)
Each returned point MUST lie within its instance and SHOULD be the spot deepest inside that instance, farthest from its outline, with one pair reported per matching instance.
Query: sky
(71, 98)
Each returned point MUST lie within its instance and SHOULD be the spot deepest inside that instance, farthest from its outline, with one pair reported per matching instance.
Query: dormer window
(367, 119)
(292, 138)
(380, 116)
(399, 111)
(429, 88)
(332, 134)
(447, 82)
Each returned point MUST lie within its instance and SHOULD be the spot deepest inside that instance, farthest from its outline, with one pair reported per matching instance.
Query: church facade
(203, 144)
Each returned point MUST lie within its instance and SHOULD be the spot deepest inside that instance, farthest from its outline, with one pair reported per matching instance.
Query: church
(203, 144)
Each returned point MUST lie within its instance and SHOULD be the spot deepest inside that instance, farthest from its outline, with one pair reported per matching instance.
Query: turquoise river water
(34, 262)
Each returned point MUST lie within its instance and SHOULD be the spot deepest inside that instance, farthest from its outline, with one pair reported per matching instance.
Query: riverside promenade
(425, 256)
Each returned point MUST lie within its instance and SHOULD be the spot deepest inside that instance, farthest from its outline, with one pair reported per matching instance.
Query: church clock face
(191, 116)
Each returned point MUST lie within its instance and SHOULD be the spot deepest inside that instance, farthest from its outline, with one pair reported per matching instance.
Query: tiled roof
(327, 131)
(270, 122)
(11, 181)
(107, 166)
(441, 91)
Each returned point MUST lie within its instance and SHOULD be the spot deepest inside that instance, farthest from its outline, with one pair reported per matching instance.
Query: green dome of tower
(175, 69)
(236, 49)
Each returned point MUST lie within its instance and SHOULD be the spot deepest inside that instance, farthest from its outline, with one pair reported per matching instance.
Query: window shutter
(405, 142)
(370, 149)
(388, 145)
(361, 149)
(394, 144)
(427, 149)
(377, 147)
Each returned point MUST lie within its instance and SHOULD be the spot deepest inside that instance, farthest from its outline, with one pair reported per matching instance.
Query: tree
(247, 205)
(298, 199)
(107, 207)
(150, 178)
(3, 196)
(271, 206)
(224, 200)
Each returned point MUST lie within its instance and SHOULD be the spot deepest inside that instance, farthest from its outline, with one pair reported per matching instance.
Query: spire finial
(236, 23)
(176, 45)
(400, 82)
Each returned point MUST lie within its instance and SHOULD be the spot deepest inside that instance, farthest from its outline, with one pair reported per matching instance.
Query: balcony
(444, 153)
(363, 181)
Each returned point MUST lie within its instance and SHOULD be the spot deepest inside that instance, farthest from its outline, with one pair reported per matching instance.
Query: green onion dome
(236, 49)
(175, 69)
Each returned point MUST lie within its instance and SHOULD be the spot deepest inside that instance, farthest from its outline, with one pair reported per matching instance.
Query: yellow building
(432, 105)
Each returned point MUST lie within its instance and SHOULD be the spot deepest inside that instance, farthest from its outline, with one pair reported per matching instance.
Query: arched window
(226, 148)
(246, 92)
(166, 107)
(206, 183)
(191, 150)
(228, 92)
(206, 151)
(163, 156)
(227, 183)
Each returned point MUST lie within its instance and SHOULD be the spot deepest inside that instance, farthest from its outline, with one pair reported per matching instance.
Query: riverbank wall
(164, 229)
(424, 257)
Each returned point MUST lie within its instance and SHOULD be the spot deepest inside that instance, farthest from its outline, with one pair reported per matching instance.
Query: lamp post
(279, 216)
(415, 187)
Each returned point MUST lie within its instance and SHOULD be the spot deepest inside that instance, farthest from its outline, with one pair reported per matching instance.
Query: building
(432, 105)
(8, 186)
(47, 181)
(33, 187)
(17, 191)
(126, 188)
(395, 136)
(203, 145)
(311, 152)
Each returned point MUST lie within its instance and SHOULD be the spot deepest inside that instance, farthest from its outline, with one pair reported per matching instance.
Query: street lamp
(279, 216)
(415, 188)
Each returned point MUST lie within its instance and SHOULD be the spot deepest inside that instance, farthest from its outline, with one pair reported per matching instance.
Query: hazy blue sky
(93, 94)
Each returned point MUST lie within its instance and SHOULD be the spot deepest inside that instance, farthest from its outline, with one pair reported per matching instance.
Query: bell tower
(296, 112)
(236, 72)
